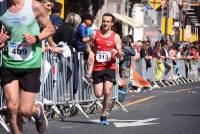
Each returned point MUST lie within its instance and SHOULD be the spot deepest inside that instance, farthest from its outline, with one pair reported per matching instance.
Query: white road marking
(130, 123)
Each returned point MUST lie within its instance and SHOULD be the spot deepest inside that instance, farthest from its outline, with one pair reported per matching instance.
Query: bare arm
(43, 20)
(3, 36)
(118, 43)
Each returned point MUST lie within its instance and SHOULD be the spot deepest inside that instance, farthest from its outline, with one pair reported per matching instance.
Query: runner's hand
(56, 50)
(30, 39)
(3, 37)
(114, 52)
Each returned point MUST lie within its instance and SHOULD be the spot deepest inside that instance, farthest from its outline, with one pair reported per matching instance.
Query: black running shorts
(29, 79)
(104, 75)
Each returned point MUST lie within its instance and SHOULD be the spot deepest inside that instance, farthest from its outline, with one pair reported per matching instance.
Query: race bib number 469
(19, 51)
(103, 56)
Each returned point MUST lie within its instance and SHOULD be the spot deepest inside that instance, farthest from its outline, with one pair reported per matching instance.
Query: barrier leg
(54, 107)
(2, 122)
(120, 105)
(168, 83)
(162, 83)
(155, 85)
(96, 103)
(77, 105)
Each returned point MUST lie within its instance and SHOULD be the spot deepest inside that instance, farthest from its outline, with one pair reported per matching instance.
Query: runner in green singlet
(21, 61)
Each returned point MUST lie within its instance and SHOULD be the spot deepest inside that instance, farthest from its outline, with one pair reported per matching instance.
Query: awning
(127, 20)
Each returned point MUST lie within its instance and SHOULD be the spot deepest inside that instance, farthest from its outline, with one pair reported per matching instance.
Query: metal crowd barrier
(2, 107)
(2, 102)
(182, 75)
(57, 89)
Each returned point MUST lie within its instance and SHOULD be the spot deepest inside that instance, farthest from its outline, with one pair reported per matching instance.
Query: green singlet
(17, 53)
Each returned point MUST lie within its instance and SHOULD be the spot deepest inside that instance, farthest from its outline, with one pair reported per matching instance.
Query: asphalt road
(171, 110)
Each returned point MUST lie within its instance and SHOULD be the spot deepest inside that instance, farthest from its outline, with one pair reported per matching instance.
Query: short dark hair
(56, 7)
(109, 14)
(85, 16)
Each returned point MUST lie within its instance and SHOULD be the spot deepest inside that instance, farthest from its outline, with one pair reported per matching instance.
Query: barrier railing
(2, 101)
(178, 73)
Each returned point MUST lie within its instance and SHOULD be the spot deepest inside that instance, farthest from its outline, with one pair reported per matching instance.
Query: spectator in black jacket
(66, 32)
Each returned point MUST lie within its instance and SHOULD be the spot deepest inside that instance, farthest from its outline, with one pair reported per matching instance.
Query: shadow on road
(195, 115)
(81, 122)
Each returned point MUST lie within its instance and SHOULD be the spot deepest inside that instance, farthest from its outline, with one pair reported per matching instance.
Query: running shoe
(103, 120)
(88, 80)
(41, 121)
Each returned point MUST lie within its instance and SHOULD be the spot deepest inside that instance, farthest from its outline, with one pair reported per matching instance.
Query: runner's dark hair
(109, 14)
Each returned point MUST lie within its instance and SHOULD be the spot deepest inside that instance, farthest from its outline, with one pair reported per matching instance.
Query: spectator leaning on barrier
(22, 61)
(107, 45)
(66, 31)
(128, 51)
(172, 55)
(165, 54)
(146, 53)
(160, 68)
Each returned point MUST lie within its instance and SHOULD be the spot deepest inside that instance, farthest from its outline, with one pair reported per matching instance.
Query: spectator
(55, 16)
(82, 41)
(160, 68)
(82, 32)
(165, 54)
(66, 31)
(146, 53)
(128, 51)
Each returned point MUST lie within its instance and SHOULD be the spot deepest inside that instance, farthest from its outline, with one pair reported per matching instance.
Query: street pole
(180, 23)
(183, 25)
(166, 19)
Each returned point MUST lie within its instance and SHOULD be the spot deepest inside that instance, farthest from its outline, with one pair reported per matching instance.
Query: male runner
(107, 45)
(22, 60)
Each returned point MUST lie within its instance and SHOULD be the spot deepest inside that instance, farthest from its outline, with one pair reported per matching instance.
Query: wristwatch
(37, 39)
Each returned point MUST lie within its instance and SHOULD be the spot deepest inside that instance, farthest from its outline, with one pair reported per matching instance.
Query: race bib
(19, 51)
(103, 56)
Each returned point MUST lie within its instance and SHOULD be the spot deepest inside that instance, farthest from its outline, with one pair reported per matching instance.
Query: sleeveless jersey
(17, 53)
(103, 46)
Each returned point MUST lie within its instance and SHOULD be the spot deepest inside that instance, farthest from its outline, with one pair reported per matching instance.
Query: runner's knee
(98, 95)
(26, 111)
(107, 92)
(13, 107)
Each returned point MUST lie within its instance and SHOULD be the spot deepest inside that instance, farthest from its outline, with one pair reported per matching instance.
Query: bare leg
(27, 107)
(11, 92)
(107, 96)
(98, 90)
(90, 64)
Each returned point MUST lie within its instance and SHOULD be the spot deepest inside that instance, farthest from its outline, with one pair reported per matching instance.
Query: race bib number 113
(103, 56)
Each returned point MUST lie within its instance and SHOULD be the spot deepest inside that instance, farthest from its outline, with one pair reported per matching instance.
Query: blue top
(90, 30)
(81, 33)
(56, 20)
